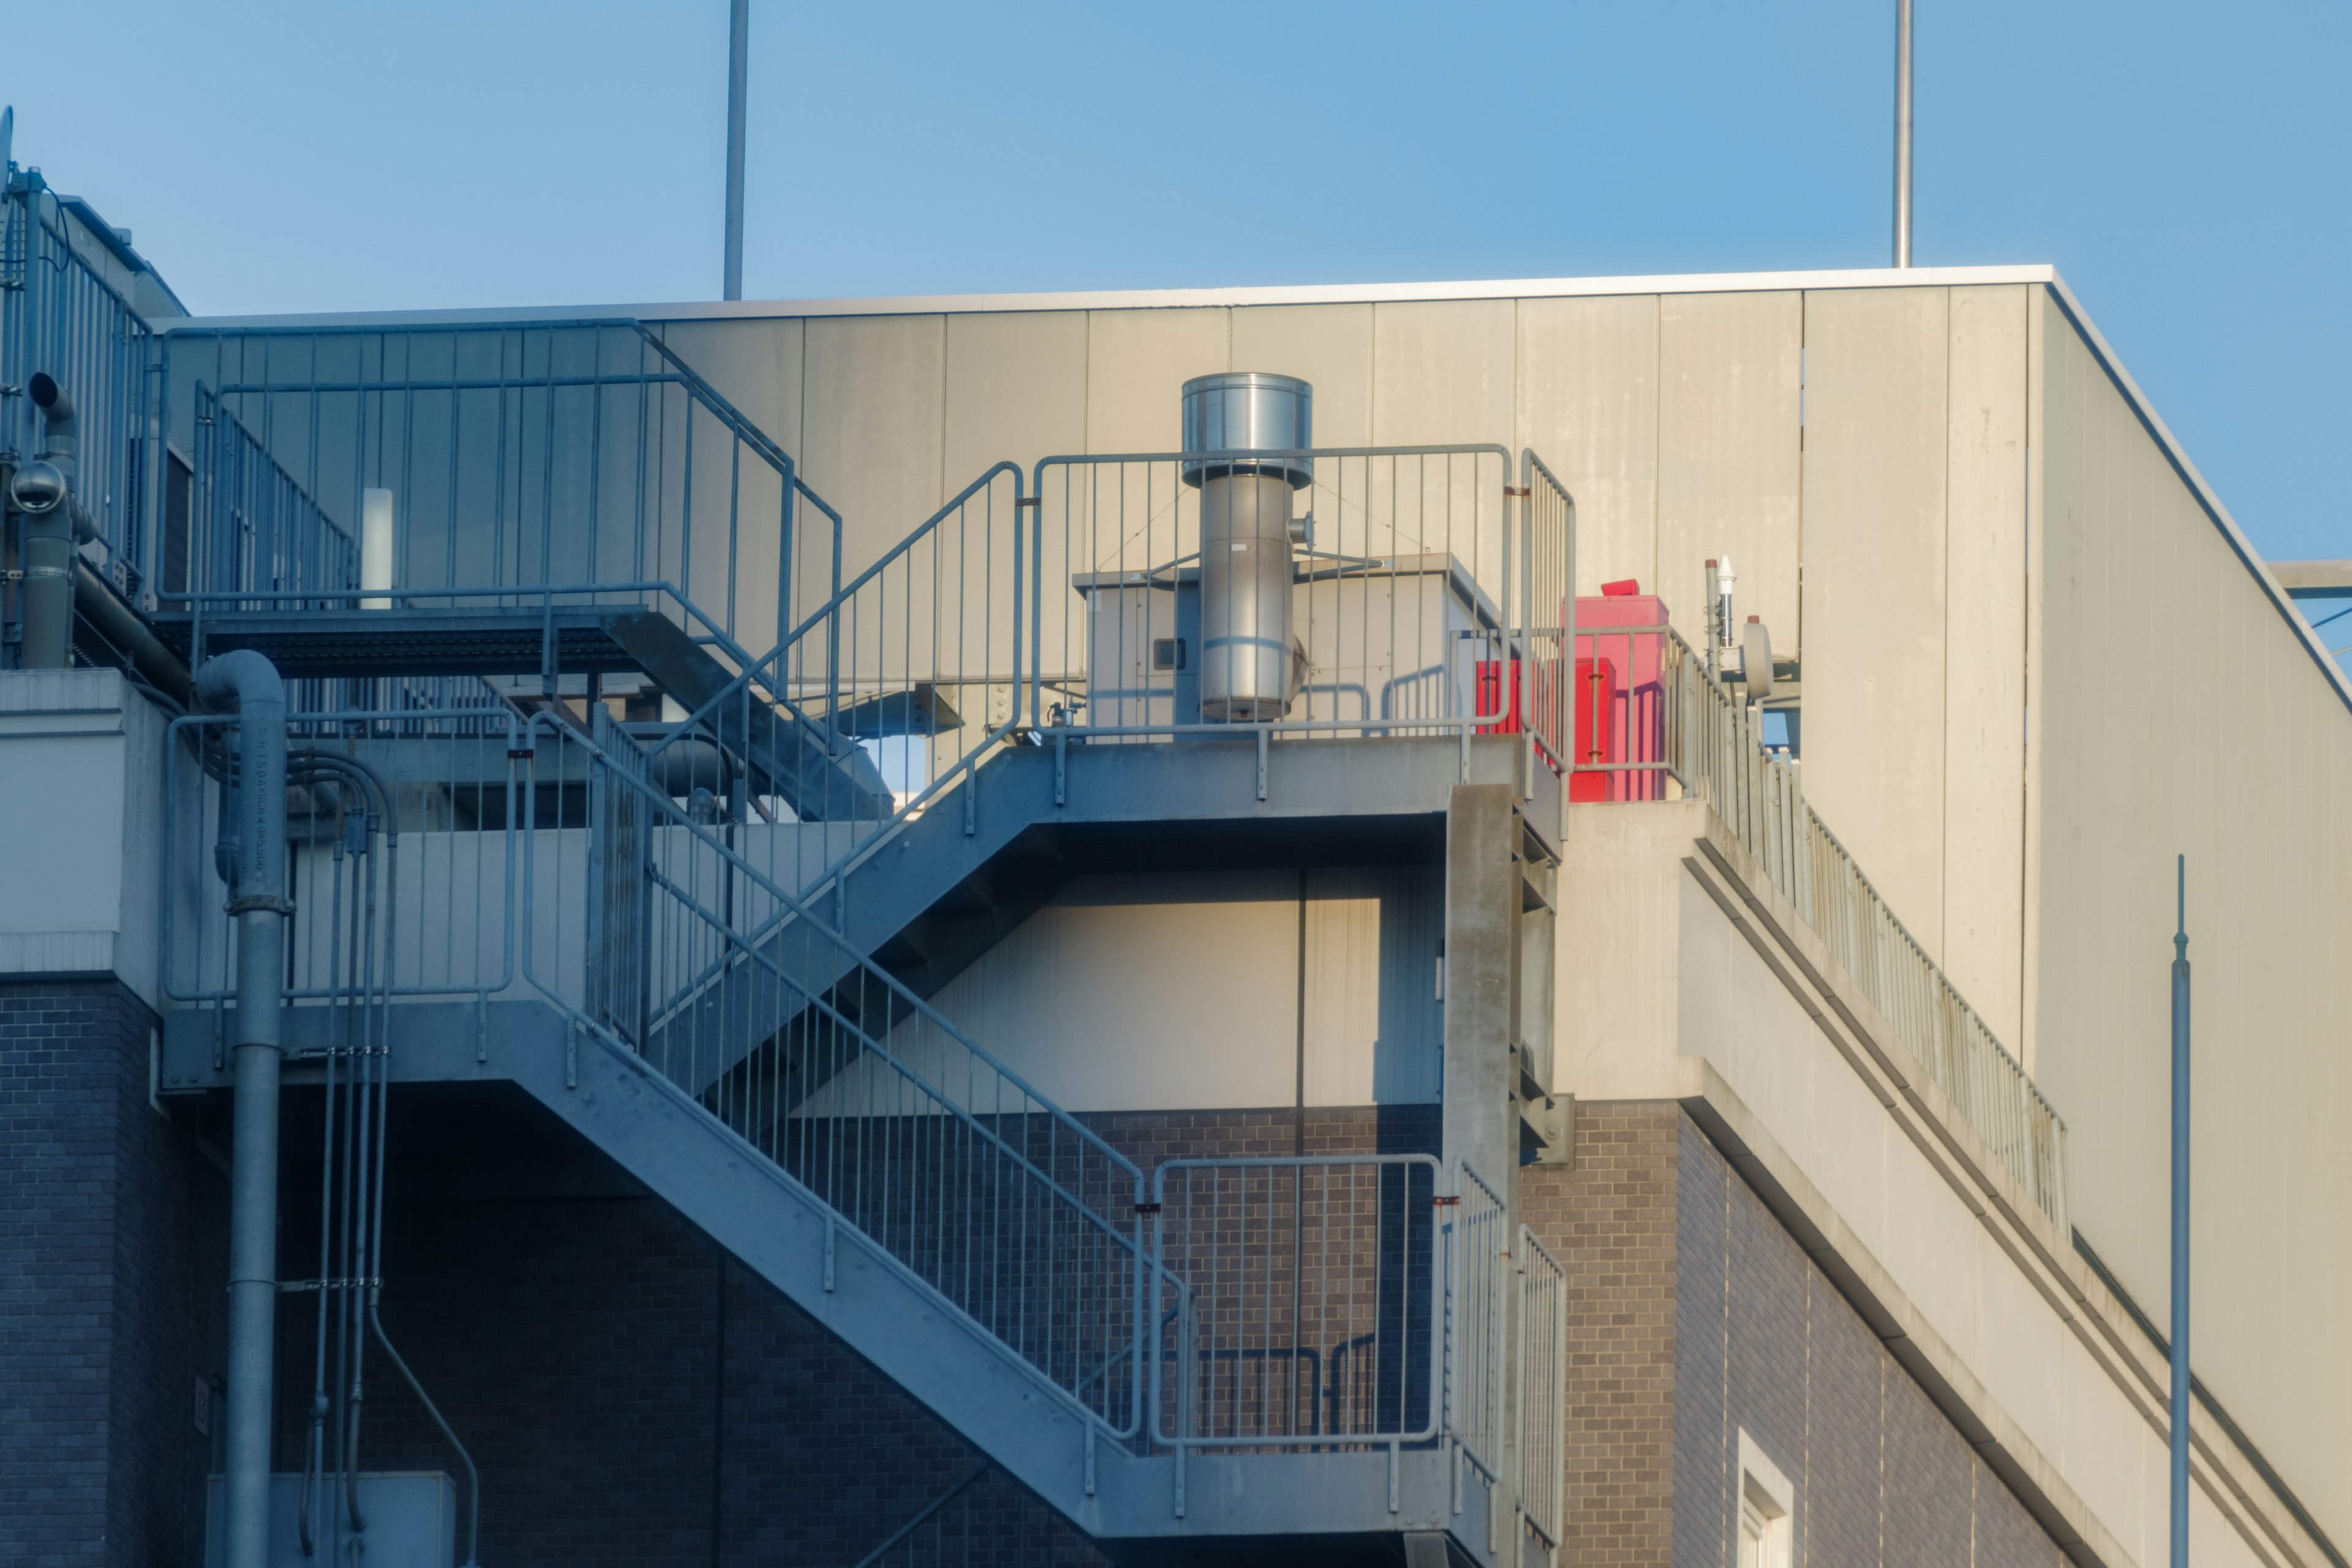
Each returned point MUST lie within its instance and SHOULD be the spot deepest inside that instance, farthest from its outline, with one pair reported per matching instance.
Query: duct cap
(1248, 410)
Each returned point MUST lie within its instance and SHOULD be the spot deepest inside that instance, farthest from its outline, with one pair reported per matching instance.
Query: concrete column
(1483, 894)
(1482, 981)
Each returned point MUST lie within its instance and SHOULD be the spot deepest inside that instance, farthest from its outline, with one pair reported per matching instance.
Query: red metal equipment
(1620, 644)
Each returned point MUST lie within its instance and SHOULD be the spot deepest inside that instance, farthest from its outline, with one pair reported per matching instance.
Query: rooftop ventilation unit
(1251, 665)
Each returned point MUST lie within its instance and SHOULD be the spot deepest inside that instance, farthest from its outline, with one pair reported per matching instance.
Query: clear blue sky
(2188, 168)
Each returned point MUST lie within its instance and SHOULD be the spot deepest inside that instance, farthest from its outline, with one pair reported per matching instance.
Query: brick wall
(1764, 1343)
(113, 1251)
(1692, 1314)
(1611, 1223)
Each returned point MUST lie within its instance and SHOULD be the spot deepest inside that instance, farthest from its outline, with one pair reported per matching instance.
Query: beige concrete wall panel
(1329, 345)
(2256, 798)
(757, 366)
(2041, 308)
(1615, 1029)
(874, 425)
(2018, 1343)
(1984, 718)
(1017, 390)
(754, 364)
(1340, 1012)
(1730, 452)
(1145, 993)
(1443, 375)
(1874, 587)
(1588, 404)
(1137, 365)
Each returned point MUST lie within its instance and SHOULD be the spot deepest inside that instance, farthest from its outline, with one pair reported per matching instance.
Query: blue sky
(2188, 168)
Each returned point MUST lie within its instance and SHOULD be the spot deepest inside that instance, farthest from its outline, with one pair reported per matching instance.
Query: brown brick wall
(1611, 1223)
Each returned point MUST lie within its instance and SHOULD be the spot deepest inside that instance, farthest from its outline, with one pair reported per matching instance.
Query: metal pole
(2180, 1218)
(1902, 132)
(249, 683)
(739, 50)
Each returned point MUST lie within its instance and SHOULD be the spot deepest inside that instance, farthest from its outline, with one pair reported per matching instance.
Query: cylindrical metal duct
(1250, 663)
(42, 490)
(248, 683)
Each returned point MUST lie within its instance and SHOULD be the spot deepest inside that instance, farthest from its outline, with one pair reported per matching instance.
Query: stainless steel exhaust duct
(43, 491)
(1251, 664)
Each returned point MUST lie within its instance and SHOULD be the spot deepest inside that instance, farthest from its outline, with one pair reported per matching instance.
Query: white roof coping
(1160, 299)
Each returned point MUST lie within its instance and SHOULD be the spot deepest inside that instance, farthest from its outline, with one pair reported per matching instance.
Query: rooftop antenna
(2180, 1347)
(738, 49)
(7, 135)
(1902, 132)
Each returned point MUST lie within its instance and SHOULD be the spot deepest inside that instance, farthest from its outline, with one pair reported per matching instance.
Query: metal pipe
(42, 490)
(113, 620)
(738, 52)
(2179, 1434)
(1902, 132)
(1250, 666)
(248, 683)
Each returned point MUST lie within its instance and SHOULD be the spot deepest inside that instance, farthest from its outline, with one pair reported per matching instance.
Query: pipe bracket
(267, 903)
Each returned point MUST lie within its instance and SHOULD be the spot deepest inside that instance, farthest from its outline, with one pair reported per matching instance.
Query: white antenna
(1902, 132)
(738, 50)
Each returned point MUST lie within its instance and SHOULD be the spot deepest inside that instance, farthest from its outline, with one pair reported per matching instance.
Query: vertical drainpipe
(246, 682)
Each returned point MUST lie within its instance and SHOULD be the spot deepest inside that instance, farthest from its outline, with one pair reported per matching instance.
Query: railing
(442, 750)
(59, 316)
(1689, 728)
(1542, 1386)
(1413, 577)
(572, 456)
(917, 661)
(1307, 1293)
(1547, 705)
(825, 1065)
(982, 627)
(1478, 1263)
(259, 538)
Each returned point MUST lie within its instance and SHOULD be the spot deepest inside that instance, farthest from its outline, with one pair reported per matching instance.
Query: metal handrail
(1476, 1270)
(914, 1103)
(530, 459)
(60, 315)
(1542, 1386)
(1711, 745)
(1229, 1269)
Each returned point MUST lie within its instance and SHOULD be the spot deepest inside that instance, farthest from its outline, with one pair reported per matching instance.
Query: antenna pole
(1902, 132)
(2180, 1217)
(738, 50)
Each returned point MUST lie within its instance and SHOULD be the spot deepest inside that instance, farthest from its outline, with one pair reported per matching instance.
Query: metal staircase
(709, 944)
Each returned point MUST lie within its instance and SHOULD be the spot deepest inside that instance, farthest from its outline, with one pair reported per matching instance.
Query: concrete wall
(1664, 997)
(1180, 990)
(2177, 712)
(1858, 452)
(81, 788)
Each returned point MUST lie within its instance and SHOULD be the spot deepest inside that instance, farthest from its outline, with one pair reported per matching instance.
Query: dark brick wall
(575, 1346)
(113, 1253)
(575, 1343)
(1763, 1342)
(1693, 1314)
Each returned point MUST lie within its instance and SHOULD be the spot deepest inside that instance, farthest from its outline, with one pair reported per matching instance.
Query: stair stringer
(976, 1385)
(953, 1366)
